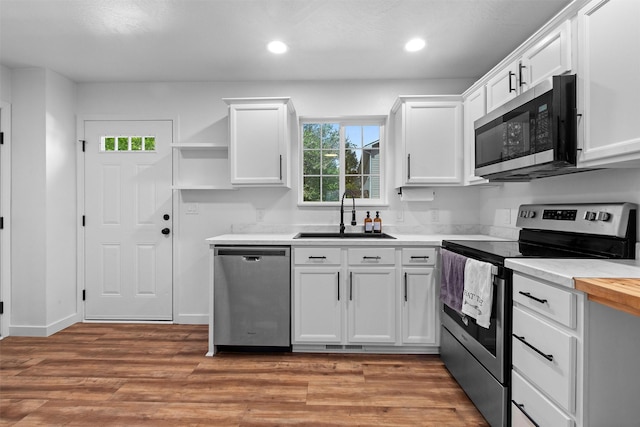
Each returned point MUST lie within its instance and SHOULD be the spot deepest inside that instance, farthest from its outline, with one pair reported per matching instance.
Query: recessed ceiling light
(277, 47)
(415, 45)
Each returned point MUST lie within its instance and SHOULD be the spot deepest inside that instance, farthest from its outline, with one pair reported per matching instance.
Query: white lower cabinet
(364, 299)
(317, 305)
(371, 305)
(574, 360)
(420, 322)
(528, 405)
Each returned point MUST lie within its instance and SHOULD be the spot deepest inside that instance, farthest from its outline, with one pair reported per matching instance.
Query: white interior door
(128, 220)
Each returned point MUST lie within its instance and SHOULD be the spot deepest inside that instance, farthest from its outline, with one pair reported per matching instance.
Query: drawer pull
(549, 357)
(528, 295)
(419, 257)
(317, 257)
(521, 407)
(371, 257)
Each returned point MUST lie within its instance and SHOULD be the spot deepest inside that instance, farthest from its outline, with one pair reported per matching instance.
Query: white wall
(5, 84)
(605, 185)
(28, 233)
(61, 221)
(203, 118)
(43, 283)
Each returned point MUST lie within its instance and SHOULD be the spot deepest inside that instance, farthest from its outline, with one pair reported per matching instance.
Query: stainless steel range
(480, 358)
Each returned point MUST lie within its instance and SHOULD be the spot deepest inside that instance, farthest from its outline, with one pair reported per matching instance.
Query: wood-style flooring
(158, 375)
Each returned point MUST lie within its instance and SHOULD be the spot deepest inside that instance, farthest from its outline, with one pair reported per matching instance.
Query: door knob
(166, 231)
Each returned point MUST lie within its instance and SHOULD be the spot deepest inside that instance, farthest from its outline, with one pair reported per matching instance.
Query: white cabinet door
(372, 305)
(419, 306)
(551, 56)
(609, 66)
(475, 106)
(258, 142)
(431, 151)
(317, 305)
(503, 86)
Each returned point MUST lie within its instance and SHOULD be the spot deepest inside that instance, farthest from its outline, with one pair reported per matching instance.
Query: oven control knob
(603, 216)
(523, 214)
(590, 216)
(532, 214)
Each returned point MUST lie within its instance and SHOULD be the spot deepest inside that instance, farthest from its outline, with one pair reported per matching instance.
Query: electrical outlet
(259, 215)
(399, 215)
(435, 215)
(192, 209)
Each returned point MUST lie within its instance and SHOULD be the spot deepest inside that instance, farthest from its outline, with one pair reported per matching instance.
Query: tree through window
(341, 157)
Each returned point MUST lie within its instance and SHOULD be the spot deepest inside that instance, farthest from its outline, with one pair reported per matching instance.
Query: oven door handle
(549, 357)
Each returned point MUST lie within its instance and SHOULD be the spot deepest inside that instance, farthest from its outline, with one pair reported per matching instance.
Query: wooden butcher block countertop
(620, 293)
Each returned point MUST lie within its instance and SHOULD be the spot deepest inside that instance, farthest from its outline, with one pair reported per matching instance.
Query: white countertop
(562, 271)
(288, 239)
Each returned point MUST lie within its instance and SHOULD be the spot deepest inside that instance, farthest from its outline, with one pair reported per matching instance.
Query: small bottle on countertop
(377, 223)
(368, 224)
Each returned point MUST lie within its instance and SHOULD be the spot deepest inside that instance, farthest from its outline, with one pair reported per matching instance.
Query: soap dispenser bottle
(377, 223)
(368, 224)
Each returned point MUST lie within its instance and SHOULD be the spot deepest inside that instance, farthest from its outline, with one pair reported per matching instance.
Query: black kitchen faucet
(353, 213)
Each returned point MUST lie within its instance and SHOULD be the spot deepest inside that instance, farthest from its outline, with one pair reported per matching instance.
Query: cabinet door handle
(371, 257)
(419, 257)
(317, 257)
(408, 167)
(511, 88)
(521, 407)
(549, 357)
(280, 167)
(350, 286)
(528, 295)
(338, 286)
(520, 68)
(405, 286)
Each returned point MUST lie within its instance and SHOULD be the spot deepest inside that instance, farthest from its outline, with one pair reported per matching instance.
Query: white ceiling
(224, 40)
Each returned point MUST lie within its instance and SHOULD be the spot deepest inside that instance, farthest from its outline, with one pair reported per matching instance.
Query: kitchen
(45, 300)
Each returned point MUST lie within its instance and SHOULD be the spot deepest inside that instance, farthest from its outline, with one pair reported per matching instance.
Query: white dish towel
(477, 297)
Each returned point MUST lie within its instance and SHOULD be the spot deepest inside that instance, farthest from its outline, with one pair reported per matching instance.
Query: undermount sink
(336, 235)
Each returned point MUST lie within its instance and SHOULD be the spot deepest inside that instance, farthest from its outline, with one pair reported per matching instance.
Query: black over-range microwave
(531, 136)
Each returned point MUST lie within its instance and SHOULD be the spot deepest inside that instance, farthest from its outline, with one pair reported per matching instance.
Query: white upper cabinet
(428, 136)
(503, 86)
(550, 55)
(475, 104)
(609, 83)
(260, 140)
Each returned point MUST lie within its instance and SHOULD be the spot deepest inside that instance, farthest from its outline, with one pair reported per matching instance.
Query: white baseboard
(192, 319)
(44, 331)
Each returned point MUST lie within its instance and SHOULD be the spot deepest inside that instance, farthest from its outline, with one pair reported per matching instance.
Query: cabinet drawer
(316, 256)
(546, 356)
(371, 256)
(525, 398)
(554, 303)
(418, 256)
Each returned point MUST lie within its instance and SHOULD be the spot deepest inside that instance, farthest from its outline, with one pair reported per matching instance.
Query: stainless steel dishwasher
(252, 296)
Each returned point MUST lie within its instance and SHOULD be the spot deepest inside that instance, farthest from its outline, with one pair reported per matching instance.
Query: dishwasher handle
(251, 252)
(251, 258)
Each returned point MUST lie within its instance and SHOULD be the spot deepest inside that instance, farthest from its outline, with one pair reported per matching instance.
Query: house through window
(339, 157)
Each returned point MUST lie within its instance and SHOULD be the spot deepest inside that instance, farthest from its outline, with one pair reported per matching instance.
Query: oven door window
(485, 337)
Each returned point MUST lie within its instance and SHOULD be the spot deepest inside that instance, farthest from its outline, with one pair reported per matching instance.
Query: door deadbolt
(166, 217)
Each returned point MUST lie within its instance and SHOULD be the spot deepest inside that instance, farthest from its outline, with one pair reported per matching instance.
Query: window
(339, 157)
(128, 143)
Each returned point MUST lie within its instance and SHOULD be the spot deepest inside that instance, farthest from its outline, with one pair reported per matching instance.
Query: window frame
(344, 121)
